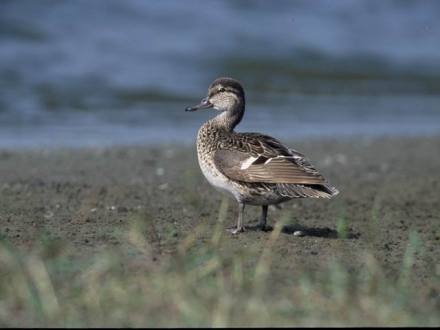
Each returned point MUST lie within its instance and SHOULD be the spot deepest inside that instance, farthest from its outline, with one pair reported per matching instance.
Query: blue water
(94, 73)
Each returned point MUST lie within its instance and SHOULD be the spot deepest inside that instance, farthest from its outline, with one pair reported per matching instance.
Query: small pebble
(298, 233)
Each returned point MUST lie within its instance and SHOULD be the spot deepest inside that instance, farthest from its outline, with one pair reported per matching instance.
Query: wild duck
(256, 169)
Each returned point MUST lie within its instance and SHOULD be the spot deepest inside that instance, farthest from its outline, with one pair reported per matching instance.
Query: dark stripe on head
(228, 84)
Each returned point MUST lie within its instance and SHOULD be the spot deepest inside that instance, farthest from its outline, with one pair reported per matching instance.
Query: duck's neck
(229, 119)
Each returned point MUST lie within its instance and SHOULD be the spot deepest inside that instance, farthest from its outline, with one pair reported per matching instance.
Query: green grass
(200, 285)
(342, 227)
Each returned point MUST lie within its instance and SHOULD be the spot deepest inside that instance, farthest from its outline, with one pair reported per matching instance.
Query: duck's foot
(264, 227)
(256, 226)
(240, 227)
(236, 230)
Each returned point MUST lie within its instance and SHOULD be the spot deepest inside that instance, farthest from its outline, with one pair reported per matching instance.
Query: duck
(255, 169)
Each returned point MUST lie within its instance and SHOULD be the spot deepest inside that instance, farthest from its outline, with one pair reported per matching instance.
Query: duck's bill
(204, 104)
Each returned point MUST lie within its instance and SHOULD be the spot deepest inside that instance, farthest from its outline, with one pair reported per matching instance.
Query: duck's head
(224, 94)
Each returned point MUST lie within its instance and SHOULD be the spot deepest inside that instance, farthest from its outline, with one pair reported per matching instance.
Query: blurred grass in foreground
(199, 286)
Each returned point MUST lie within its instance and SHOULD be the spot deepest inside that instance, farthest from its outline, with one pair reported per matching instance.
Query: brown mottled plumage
(255, 168)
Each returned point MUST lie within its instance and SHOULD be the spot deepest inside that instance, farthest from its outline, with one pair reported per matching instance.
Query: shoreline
(368, 138)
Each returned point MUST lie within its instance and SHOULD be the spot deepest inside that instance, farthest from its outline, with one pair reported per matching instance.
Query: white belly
(218, 180)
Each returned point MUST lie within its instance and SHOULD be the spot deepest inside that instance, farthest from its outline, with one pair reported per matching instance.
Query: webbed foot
(236, 230)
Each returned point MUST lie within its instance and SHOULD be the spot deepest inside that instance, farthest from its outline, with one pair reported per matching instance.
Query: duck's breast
(215, 177)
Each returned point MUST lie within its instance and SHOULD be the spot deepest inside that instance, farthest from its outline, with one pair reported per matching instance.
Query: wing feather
(280, 169)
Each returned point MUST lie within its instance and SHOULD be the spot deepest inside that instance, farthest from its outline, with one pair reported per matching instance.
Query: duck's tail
(307, 190)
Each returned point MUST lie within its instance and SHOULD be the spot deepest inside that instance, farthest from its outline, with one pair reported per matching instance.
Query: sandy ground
(85, 200)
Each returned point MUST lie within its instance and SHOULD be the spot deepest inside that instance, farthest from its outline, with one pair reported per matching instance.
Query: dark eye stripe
(229, 89)
(222, 90)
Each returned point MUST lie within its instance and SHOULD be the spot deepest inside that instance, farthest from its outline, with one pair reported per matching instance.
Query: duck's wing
(261, 158)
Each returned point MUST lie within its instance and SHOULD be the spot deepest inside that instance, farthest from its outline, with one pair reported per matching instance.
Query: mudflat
(151, 209)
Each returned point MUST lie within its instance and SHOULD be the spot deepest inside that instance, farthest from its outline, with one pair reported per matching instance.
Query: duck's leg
(263, 218)
(240, 227)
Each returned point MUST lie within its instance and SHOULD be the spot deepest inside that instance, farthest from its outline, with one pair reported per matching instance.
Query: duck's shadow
(299, 230)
